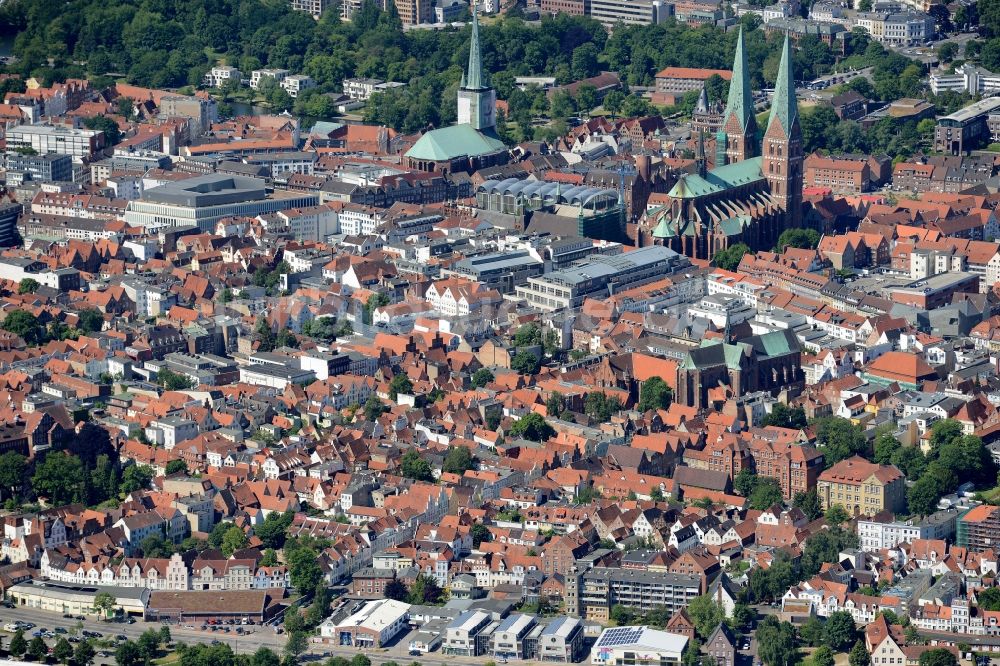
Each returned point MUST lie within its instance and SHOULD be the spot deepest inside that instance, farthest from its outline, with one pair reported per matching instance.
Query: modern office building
(560, 640)
(965, 129)
(204, 200)
(509, 637)
(967, 79)
(48, 167)
(58, 139)
(502, 271)
(630, 12)
(10, 213)
(462, 632)
(601, 277)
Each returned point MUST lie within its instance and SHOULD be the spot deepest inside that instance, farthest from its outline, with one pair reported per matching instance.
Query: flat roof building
(76, 599)
(638, 646)
(204, 200)
(600, 277)
(372, 626)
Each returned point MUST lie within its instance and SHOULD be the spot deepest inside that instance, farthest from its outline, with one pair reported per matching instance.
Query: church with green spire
(471, 143)
(754, 191)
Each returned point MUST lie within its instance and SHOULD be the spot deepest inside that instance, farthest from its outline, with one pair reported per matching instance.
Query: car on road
(62, 630)
(12, 626)
(121, 637)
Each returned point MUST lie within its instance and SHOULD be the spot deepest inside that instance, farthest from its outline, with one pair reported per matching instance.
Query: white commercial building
(59, 139)
(373, 625)
(967, 79)
(637, 646)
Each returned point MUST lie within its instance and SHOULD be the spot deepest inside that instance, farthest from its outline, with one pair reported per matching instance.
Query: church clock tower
(477, 101)
(782, 146)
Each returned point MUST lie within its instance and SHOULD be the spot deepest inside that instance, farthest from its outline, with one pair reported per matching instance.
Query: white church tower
(476, 99)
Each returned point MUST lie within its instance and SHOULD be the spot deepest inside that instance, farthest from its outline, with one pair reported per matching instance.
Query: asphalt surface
(247, 643)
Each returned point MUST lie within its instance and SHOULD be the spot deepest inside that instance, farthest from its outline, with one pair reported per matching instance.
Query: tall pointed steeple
(737, 138)
(474, 74)
(782, 145)
(476, 99)
(784, 107)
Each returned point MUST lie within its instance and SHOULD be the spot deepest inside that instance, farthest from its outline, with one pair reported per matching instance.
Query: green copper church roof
(784, 107)
(692, 186)
(740, 101)
(474, 79)
(662, 229)
(447, 143)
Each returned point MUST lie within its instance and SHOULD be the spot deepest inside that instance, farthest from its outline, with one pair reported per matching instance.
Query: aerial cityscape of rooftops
(384, 332)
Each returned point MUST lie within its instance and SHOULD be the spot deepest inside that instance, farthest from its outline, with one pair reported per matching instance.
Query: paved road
(261, 637)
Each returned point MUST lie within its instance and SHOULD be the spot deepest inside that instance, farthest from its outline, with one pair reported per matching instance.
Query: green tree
(373, 408)
(809, 503)
(37, 650)
(91, 320)
(112, 135)
(104, 604)
(175, 466)
(823, 656)
(297, 643)
(61, 477)
(286, 338)
(479, 534)
(533, 427)
(24, 325)
(989, 599)
(784, 417)
(396, 589)
(798, 238)
(129, 654)
(457, 460)
(766, 492)
(173, 381)
(234, 539)
(613, 102)
(654, 394)
(938, 657)
(885, 448)
(12, 470)
(776, 642)
(811, 632)
(28, 286)
(414, 467)
(839, 631)
(400, 384)
(62, 651)
(525, 363)
(706, 615)
(598, 406)
(859, 655)
(425, 590)
(745, 481)
(825, 546)
(18, 646)
(729, 259)
(481, 378)
(839, 439)
(264, 657)
(527, 335)
(136, 477)
(265, 335)
(304, 571)
(83, 654)
(836, 515)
